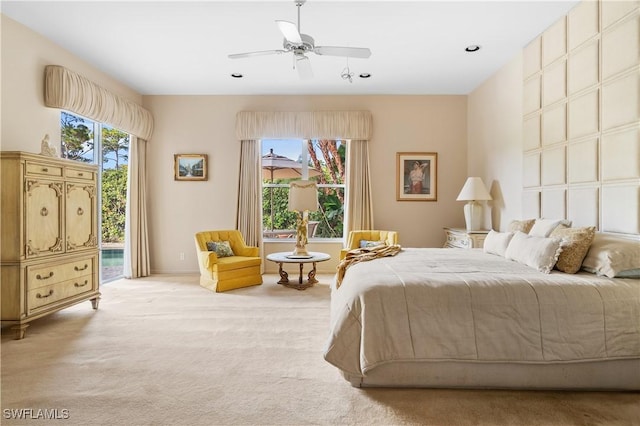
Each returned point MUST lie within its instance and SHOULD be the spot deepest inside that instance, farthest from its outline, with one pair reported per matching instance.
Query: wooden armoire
(49, 248)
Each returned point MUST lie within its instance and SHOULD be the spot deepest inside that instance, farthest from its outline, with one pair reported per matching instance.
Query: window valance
(304, 125)
(68, 90)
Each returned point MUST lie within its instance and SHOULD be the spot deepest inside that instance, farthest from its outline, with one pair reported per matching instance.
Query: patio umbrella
(276, 166)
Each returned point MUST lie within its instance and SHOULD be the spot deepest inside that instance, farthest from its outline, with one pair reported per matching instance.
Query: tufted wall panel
(581, 123)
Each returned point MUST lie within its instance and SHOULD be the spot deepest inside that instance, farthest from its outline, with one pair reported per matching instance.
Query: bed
(457, 318)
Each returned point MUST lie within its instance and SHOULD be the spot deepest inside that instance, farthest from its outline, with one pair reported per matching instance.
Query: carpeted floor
(165, 351)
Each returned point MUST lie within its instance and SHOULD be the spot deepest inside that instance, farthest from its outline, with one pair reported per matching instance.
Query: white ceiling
(180, 47)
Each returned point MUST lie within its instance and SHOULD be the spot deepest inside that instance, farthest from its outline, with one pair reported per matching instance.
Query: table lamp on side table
(303, 198)
(473, 191)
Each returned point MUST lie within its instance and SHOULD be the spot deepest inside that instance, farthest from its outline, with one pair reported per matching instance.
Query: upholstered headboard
(581, 123)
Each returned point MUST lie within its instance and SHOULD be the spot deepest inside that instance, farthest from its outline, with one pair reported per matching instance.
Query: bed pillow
(521, 225)
(544, 227)
(539, 253)
(368, 243)
(222, 248)
(613, 257)
(575, 245)
(497, 242)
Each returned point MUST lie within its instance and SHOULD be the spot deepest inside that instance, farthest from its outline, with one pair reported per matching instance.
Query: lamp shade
(473, 190)
(303, 195)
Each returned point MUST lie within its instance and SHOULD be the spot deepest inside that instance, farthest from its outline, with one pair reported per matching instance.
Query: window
(322, 161)
(80, 143)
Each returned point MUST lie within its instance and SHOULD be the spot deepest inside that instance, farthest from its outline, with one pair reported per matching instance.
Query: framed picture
(190, 166)
(416, 176)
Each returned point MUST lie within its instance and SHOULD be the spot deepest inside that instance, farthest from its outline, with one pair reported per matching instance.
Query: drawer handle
(40, 296)
(45, 170)
(40, 277)
(80, 174)
(80, 211)
(44, 211)
(81, 285)
(75, 268)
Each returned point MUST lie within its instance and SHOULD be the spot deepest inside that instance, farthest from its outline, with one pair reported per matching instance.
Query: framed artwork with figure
(190, 166)
(417, 176)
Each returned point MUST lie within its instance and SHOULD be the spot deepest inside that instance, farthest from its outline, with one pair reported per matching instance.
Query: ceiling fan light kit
(299, 44)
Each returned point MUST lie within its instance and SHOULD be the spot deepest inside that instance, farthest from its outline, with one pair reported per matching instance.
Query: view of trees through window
(81, 139)
(322, 161)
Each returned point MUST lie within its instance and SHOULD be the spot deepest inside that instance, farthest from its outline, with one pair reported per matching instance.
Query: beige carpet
(165, 351)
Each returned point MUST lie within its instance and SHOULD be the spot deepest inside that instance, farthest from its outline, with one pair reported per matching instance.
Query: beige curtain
(359, 200)
(68, 90)
(249, 221)
(304, 125)
(136, 249)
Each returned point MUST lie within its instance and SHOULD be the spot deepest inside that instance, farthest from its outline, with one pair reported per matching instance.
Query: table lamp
(473, 191)
(303, 198)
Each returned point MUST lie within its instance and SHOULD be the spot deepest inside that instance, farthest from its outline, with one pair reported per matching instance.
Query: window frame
(304, 143)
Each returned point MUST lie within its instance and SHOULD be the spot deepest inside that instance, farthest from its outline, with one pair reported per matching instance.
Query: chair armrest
(343, 253)
(208, 258)
(248, 251)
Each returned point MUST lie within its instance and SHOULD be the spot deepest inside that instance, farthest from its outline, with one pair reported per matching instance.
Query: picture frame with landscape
(190, 167)
(416, 176)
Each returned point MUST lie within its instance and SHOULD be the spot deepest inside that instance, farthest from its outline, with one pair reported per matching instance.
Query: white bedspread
(466, 305)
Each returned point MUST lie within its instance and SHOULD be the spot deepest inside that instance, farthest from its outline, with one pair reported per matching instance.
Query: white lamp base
(473, 216)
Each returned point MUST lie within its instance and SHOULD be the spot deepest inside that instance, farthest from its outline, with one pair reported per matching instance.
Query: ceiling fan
(299, 44)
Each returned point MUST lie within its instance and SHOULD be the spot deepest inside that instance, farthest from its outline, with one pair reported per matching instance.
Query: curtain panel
(136, 247)
(359, 199)
(68, 90)
(304, 125)
(249, 220)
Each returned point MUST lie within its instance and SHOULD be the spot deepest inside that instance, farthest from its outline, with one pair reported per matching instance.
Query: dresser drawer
(458, 241)
(461, 238)
(40, 169)
(41, 276)
(79, 174)
(50, 294)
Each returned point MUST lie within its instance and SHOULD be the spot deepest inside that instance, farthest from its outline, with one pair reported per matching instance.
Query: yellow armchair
(353, 241)
(227, 273)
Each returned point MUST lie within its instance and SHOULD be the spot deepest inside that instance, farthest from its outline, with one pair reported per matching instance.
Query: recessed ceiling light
(236, 75)
(365, 75)
(472, 48)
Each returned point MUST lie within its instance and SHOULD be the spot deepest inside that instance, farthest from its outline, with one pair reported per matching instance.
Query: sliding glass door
(90, 142)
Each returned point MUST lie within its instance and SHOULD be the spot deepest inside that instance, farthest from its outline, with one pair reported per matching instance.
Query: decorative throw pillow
(612, 256)
(222, 248)
(575, 245)
(537, 252)
(497, 242)
(544, 227)
(367, 243)
(521, 225)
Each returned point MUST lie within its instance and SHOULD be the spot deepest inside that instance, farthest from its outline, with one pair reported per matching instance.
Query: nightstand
(461, 238)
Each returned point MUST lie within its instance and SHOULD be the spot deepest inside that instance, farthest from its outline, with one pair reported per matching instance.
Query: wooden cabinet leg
(94, 302)
(20, 330)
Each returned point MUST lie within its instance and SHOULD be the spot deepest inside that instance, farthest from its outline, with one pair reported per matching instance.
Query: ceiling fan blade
(258, 53)
(304, 68)
(351, 52)
(290, 31)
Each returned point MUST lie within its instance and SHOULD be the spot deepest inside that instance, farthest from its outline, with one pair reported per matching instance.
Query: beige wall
(495, 142)
(206, 124)
(25, 119)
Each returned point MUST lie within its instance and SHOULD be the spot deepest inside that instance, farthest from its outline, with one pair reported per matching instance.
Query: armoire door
(81, 217)
(43, 215)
